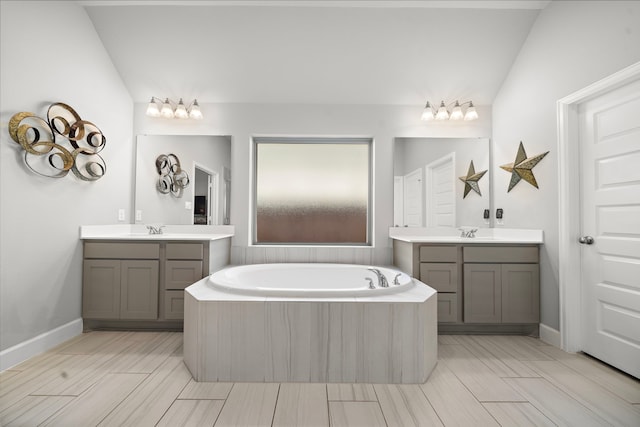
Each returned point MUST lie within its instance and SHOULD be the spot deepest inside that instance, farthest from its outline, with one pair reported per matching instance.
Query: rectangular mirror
(201, 163)
(428, 191)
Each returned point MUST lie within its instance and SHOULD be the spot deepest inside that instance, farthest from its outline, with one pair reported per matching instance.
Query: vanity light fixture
(442, 113)
(166, 109)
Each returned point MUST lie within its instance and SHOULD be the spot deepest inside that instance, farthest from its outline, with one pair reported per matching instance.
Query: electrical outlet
(499, 217)
(120, 214)
(138, 215)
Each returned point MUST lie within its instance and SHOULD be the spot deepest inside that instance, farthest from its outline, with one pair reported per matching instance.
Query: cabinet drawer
(185, 250)
(180, 274)
(502, 254)
(438, 254)
(121, 250)
(174, 305)
(443, 277)
(447, 307)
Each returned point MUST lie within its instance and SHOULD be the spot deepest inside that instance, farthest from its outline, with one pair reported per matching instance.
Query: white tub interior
(308, 280)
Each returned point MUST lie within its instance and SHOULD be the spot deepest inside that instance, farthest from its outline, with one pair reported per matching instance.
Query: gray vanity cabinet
(120, 282)
(481, 287)
(139, 284)
(501, 284)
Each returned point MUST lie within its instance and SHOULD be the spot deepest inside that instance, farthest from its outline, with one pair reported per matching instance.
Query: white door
(413, 199)
(610, 192)
(398, 204)
(441, 192)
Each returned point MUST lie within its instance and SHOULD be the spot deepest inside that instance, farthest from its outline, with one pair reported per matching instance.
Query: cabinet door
(482, 293)
(180, 274)
(447, 307)
(139, 289)
(443, 277)
(520, 293)
(174, 305)
(101, 289)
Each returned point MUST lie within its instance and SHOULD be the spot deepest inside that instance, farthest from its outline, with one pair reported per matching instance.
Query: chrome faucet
(468, 232)
(395, 279)
(382, 281)
(370, 280)
(155, 229)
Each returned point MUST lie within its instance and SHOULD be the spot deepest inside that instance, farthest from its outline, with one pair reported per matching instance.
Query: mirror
(206, 159)
(427, 188)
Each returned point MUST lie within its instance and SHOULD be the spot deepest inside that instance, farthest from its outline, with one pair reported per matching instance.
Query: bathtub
(310, 323)
(309, 280)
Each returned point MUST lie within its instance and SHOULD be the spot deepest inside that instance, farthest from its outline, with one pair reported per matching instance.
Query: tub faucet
(155, 229)
(382, 281)
(370, 281)
(395, 279)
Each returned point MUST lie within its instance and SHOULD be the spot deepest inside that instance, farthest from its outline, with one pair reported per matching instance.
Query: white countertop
(452, 235)
(169, 232)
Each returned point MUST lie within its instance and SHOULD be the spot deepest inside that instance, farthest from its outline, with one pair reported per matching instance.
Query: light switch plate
(187, 205)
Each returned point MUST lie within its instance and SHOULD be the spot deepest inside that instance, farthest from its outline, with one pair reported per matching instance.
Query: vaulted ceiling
(314, 52)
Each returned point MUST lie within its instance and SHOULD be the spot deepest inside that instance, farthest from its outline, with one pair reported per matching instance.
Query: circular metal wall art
(61, 143)
(172, 178)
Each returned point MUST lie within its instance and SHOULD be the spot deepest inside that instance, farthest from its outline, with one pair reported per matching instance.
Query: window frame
(298, 140)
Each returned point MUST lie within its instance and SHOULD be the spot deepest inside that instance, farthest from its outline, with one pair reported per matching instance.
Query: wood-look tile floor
(139, 379)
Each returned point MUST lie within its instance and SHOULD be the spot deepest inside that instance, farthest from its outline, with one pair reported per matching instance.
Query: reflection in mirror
(206, 158)
(427, 188)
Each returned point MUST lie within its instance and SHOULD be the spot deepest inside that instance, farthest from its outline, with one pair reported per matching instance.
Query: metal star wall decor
(471, 180)
(522, 167)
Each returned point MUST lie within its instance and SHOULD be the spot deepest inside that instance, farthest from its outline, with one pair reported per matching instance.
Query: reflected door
(413, 199)
(441, 192)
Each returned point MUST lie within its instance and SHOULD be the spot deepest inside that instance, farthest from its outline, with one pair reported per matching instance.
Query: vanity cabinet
(478, 284)
(137, 281)
(120, 282)
(501, 284)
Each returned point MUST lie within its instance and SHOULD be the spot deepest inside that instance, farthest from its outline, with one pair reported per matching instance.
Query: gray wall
(49, 53)
(571, 45)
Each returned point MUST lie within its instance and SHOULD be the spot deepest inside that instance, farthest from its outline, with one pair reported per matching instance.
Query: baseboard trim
(37, 345)
(550, 336)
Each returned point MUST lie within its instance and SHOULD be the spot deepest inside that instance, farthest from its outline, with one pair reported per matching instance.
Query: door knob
(586, 240)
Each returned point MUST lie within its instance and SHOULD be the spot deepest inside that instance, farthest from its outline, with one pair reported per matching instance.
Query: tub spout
(370, 280)
(382, 281)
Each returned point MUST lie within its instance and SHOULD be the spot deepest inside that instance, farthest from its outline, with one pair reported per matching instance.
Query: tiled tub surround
(388, 338)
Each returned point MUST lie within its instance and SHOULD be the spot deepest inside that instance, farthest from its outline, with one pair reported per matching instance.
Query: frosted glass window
(312, 191)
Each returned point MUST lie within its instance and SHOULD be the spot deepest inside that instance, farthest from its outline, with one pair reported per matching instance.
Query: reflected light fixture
(166, 109)
(442, 113)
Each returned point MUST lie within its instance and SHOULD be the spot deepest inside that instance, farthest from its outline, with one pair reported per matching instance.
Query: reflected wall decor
(522, 168)
(471, 180)
(60, 143)
(173, 179)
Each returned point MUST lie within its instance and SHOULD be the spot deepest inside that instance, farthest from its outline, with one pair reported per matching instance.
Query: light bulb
(181, 111)
(194, 111)
(427, 113)
(442, 113)
(152, 109)
(166, 111)
(471, 113)
(456, 113)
